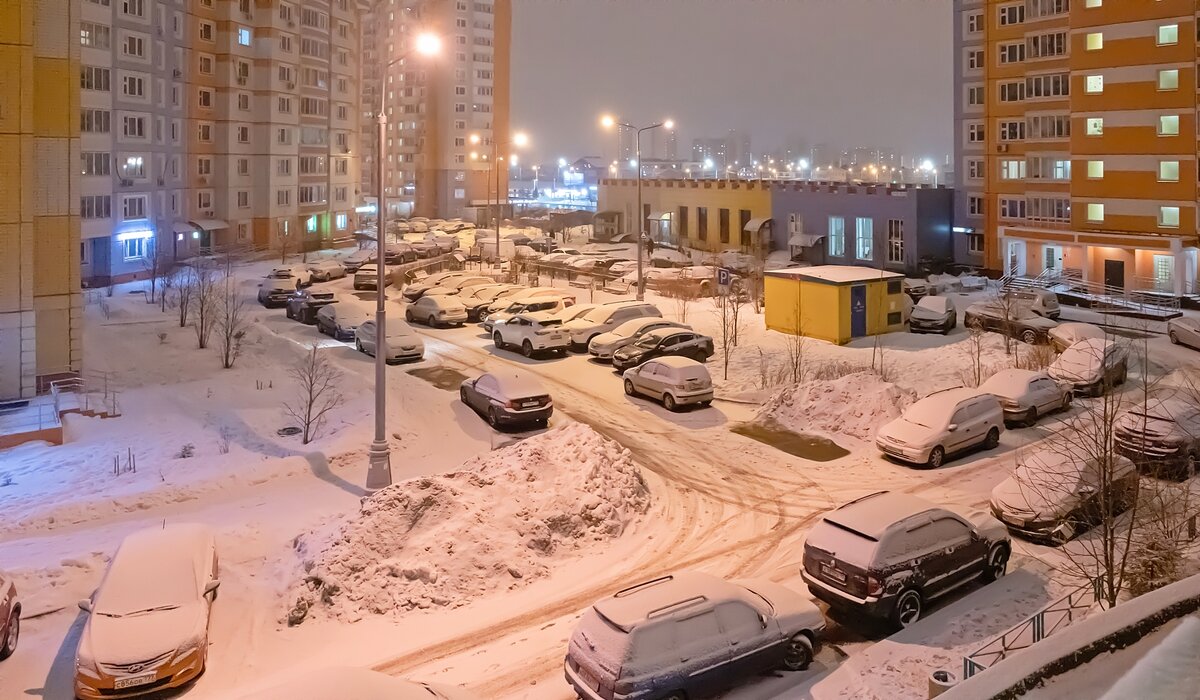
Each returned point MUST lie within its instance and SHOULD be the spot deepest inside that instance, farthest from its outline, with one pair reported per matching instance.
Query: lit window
(1168, 171)
(1093, 84)
(1095, 212)
(1095, 169)
(311, 224)
(244, 36)
(1095, 41)
(1168, 79)
(342, 221)
(1093, 3)
(1168, 125)
(1168, 34)
(1168, 217)
(1095, 126)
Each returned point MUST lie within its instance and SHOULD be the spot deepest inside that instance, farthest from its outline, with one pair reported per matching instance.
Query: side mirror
(212, 587)
(952, 427)
(762, 620)
(85, 605)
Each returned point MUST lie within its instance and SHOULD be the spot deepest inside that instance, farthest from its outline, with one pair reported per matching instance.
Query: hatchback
(1025, 394)
(1091, 366)
(676, 381)
(661, 343)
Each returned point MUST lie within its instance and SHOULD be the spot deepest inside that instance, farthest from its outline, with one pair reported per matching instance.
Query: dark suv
(888, 554)
(303, 304)
(1016, 321)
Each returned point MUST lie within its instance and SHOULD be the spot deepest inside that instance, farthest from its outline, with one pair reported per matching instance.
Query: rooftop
(837, 274)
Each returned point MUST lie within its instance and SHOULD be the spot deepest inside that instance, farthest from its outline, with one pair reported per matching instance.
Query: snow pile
(495, 524)
(854, 405)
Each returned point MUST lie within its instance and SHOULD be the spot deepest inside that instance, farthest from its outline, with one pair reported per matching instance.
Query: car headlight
(85, 663)
(189, 647)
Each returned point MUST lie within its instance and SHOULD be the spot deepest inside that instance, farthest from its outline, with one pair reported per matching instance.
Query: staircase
(1072, 289)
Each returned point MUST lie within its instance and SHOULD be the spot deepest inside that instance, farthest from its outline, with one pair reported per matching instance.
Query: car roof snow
(685, 590)
(874, 515)
(518, 384)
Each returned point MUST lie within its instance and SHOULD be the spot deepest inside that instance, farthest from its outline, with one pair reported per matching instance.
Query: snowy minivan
(941, 424)
(688, 635)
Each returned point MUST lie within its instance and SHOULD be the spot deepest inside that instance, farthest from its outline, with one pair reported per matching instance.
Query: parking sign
(724, 277)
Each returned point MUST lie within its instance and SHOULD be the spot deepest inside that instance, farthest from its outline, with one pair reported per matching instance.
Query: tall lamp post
(608, 122)
(520, 140)
(379, 473)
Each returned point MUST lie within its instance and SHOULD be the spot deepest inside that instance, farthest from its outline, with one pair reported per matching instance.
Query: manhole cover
(288, 431)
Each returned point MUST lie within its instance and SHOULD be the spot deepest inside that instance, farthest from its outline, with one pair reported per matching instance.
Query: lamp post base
(379, 473)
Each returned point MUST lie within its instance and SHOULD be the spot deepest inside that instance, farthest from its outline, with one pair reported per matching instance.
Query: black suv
(888, 554)
(303, 305)
(661, 343)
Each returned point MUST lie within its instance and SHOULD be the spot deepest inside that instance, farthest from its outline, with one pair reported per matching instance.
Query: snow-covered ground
(703, 497)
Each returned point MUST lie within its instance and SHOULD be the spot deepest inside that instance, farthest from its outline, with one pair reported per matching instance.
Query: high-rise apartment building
(448, 114)
(1076, 145)
(40, 301)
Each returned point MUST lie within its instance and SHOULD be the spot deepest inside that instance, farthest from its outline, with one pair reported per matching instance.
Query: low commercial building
(836, 303)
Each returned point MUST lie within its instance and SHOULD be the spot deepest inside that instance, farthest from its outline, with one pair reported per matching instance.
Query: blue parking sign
(724, 277)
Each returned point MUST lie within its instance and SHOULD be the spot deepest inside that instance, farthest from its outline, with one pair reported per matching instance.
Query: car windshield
(927, 413)
(549, 322)
(599, 315)
(649, 340)
(760, 596)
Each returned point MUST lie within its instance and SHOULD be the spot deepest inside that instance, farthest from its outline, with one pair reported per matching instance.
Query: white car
(604, 345)
(367, 277)
(418, 288)
(520, 304)
(942, 424)
(325, 270)
(437, 311)
(933, 315)
(1184, 330)
(357, 683)
(508, 397)
(1091, 366)
(1064, 335)
(607, 317)
(401, 342)
(478, 299)
(622, 267)
(675, 381)
(299, 275)
(1025, 394)
(532, 332)
(147, 623)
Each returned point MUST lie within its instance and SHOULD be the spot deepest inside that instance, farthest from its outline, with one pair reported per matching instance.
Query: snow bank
(854, 405)
(495, 524)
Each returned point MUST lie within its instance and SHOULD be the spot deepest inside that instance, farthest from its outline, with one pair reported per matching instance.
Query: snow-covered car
(673, 380)
(607, 317)
(436, 311)
(1042, 302)
(275, 292)
(941, 424)
(1025, 394)
(357, 684)
(529, 294)
(444, 243)
(454, 285)
(418, 226)
(1064, 335)
(10, 617)
(689, 634)
(299, 275)
(933, 315)
(558, 257)
(325, 270)
(401, 342)
(147, 623)
(664, 342)
(1162, 436)
(522, 304)
(418, 288)
(399, 253)
(570, 313)
(1015, 321)
(621, 268)
(357, 259)
(303, 304)
(888, 555)
(533, 333)
(916, 289)
(340, 321)
(604, 345)
(1057, 492)
(478, 299)
(1091, 366)
(367, 277)
(508, 397)
(1184, 330)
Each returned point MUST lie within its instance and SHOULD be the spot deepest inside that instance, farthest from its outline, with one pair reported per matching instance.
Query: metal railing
(94, 392)
(1034, 629)
(28, 419)
(1099, 296)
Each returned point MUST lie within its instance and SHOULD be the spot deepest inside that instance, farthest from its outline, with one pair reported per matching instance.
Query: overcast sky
(842, 71)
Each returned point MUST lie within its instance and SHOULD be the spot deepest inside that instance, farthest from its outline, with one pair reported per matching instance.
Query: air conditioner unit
(1002, 148)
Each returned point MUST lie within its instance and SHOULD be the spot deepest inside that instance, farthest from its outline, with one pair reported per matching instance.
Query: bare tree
(1006, 304)
(167, 284)
(184, 291)
(973, 375)
(796, 344)
(157, 266)
(230, 323)
(205, 298)
(317, 392)
(729, 308)
(683, 291)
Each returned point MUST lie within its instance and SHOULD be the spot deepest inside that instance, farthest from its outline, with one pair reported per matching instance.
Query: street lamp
(710, 165)
(379, 471)
(608, 122)
(520, 140)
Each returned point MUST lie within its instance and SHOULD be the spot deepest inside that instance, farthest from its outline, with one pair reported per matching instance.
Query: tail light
(874, 586)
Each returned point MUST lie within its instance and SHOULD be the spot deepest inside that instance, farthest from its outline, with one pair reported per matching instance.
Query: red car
(10, 617)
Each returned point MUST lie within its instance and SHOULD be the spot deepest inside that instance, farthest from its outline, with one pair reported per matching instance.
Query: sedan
(417, 289)
(275, 292)
(933, 315)
(1024, 394)
(399, 253)
(1184, 330)
(298, 275)
(533, 333)
(1091, 366)
(1064, 335)
(676, 381)
(10, 618)
(437, 311)
(303, 305)
(357, 259)
(1055, 494)
(367, 277)
(147, 623)
(664, 342)
(478, 301)
(325, 270)
(604, 345)
(508, 397)
(1014, 321)
(340, 321)
(400, 344)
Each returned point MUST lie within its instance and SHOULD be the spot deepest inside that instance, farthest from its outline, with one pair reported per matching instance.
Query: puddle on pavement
(441, 377)
(811, 447)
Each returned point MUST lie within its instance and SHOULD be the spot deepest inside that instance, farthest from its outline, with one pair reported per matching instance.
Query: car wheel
(997, 563)
(13, 636)
(408, 315)
(629, 388)
(358, 345)
(1032, 416)
(992, 439)
(493, 417)
(462, 395)
(936, 457)
(909, 607)
(799, 653)
(288, 312)
(431, 321)
(527, 349)
(1028, 337)
(669, 402)
(498, 340)
(1174, 338)
(1066, 402)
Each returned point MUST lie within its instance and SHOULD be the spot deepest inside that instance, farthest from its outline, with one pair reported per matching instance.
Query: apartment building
(40, 302)
(1076, 145)
(435, 105)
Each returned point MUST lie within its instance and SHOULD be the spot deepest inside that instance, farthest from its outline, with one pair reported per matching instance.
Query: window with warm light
(1095, 212)
(1095, 169)
(1093, 3)
(1093, 84)
(1095, 41)
(1168, 171)
(1094, 126)
(1168, 217)
(1168, 79)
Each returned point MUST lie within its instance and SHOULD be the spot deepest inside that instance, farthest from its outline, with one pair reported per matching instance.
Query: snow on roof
(935, 407)
(676, 361)
(518, 384)
(1009, 383)
(837, 274)
(155, 567)
(873, 515)
(628, 607)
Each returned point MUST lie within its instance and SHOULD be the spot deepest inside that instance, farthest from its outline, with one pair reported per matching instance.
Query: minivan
(605, 318)
(941, 424)
(886, 555)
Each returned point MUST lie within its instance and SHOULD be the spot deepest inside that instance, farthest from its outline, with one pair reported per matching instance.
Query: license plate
(133, 681)
(833, 573)
(588, 679)
(530, 404)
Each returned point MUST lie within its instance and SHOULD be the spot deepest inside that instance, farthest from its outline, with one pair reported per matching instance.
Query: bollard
(940, 682)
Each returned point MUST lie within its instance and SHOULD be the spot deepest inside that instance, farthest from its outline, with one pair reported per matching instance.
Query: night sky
(841, 71)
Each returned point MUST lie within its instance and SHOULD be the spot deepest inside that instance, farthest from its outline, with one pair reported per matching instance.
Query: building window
(133, 127)
(837, 237)
(341, 221)
(1168, 125)
(133, 86)
(975, 205)
(975, 59)
(205, 99)
(974, 168)
(702, 223)
(92, 78)
(204, 132)
(1049, 126)
(1012, 131)
(1048, 45)
(96, 163)
(1168, 217)
(1168, 34)
(134, 46)
(975, 95)
(243, 166)
(243, 199)
(1012, 53)
(206, 65)
(134, 167)
(723, 223)
(1012, 169)
(975, 133)
(134, 8)
(133, 207)
(1012, 91)
(1095, 41)
(895, 241)
(1095, 212)
(864, 238)
(974, 22)
(1168, 171)
(95, 121)
(243, 232)
(208, 31)
(243, 101)
(243, 134)
(134, 248)
(96, 36)
(1168, 79)
(1012, 208)
(85, 253)
(1095, 126)
(1093, 84)
(1012, 14)
(1095, 170)
(975, 243)
(283, 198)
(97, 206)
(243, 36)
(1049, 209)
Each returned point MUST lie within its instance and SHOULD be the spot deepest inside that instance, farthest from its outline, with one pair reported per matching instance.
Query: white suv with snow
(942, 424)
(533, 333)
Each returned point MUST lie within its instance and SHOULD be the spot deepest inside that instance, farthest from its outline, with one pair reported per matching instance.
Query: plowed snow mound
(855, 405)
(496, 524)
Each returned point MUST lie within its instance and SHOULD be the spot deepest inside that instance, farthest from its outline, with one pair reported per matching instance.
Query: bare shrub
(316, 380)
(205, 297)
(230, 323)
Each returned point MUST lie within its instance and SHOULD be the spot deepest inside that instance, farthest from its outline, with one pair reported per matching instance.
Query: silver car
(401, 343)
(676, 381)
(1184, 331)
(1025, 394)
